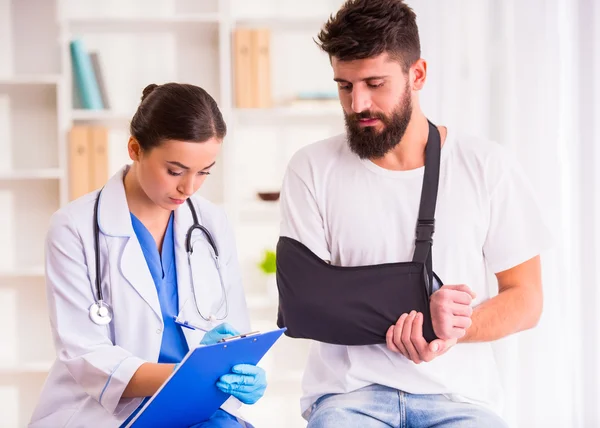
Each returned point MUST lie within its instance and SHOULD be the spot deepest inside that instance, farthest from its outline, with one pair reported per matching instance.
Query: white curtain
(526, 73)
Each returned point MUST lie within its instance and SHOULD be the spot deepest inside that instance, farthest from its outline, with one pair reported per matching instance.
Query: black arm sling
(357, 305)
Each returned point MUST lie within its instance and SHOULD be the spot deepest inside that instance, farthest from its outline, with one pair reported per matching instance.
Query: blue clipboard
(190, 396)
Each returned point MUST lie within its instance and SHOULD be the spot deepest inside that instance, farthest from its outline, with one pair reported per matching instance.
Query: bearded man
(355, 201)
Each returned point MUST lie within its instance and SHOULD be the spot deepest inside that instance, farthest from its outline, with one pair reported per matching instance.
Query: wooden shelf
(32, 174)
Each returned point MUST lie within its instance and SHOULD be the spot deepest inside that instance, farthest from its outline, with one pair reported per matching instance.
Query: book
(243, 70)
(84, 76)
(88, 159)
(261, 56)
(252, 68)
(79, 153)
(98, 160)
(94, 57)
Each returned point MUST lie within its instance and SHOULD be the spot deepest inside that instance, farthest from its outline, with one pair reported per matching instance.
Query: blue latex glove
(219, 332)
(247, 383)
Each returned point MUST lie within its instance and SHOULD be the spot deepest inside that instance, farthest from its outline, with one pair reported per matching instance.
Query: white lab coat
(95, 363)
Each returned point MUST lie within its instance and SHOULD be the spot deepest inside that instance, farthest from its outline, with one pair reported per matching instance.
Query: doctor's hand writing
(246, 382)
(221, 331)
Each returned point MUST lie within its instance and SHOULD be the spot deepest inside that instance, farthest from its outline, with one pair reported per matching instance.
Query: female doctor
(127, 265)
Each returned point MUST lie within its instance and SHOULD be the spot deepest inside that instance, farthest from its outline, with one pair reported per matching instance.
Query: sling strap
(426, 220)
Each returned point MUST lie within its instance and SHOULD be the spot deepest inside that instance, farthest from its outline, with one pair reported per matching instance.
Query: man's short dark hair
(367, 28)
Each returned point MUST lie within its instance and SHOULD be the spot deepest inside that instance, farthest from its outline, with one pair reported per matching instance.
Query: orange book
(243, 69)
(79, 153)
(261, 48)
(99, 157)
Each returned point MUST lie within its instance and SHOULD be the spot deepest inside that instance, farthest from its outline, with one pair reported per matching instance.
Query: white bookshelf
(313, 111)
(32, 174)
(101, 117)
(40, 367)
(23, 272)
(141, 42)
(152, 22)
(142, 24)
(287, 23)
(32, 79)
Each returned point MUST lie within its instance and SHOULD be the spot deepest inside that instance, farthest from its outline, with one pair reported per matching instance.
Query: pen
(188, 325)
(239, 336)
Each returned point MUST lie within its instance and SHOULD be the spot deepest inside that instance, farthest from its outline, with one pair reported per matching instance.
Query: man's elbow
(534, 304)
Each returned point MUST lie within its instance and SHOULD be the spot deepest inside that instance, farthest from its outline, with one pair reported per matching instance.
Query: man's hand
(451, 311)
(406, 338)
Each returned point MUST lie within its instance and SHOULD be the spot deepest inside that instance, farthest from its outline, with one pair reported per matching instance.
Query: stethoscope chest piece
(100, 313)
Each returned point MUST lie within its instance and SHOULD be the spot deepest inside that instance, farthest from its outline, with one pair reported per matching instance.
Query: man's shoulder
(318, 155)
(484, 160)
(477, 146)
(483, 153)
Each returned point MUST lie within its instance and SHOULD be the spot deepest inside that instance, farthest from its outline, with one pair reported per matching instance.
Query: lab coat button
(158, 330)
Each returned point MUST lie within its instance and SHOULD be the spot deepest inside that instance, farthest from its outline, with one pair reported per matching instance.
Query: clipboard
(190, 395)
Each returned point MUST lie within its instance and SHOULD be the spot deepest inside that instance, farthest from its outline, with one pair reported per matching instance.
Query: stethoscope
(101, 312)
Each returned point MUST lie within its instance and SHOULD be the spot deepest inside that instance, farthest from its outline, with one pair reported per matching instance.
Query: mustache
(355, 117)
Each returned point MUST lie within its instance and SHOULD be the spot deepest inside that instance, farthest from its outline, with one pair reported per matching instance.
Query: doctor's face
(175, 170)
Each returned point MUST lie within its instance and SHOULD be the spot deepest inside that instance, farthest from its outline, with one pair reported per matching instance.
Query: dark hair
(175, 111)
(367, 28)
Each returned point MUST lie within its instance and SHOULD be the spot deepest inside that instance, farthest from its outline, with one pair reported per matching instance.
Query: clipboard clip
(239, 336)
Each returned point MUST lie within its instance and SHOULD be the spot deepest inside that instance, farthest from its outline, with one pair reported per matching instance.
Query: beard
(369, 143)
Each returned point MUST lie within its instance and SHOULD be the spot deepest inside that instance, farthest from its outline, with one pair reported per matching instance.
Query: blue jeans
(378, 406)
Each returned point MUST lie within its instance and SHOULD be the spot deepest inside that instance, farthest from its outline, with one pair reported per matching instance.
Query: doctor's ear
(135, 149)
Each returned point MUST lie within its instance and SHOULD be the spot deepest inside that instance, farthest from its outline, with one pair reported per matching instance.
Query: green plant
(267, 265)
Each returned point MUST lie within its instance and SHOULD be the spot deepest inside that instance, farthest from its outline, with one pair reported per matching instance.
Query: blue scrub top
(164, 273)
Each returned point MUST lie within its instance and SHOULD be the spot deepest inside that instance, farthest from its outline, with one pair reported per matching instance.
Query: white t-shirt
(352, 212)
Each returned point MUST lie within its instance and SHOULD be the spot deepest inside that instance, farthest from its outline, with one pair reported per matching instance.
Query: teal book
(85, 78)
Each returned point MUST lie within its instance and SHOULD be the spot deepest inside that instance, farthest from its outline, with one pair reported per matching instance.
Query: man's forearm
(513, 310)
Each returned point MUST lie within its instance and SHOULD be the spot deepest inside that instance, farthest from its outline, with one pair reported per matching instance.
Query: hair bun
(148, 90)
